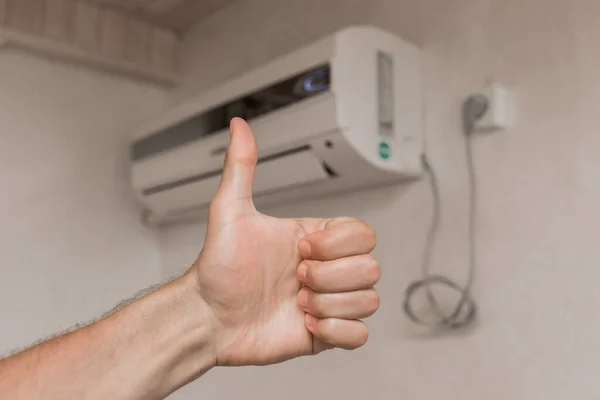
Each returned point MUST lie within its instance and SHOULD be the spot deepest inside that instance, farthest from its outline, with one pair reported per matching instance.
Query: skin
(263, 290)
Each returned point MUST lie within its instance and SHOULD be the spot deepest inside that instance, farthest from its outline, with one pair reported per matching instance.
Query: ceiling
(177, 15)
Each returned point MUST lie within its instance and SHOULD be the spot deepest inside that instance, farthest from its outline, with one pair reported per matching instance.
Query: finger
(341, 238)
(311, 225)
(240, 163)
(347, 305)
(342, 333)
(341, 275)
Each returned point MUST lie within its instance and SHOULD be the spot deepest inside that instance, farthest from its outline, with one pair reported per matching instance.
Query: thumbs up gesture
(280, 288)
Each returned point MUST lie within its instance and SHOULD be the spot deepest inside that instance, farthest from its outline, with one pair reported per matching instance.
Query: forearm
(144, 351)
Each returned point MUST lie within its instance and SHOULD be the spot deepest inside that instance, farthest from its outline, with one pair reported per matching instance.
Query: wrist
(175, 336)
(192, 343)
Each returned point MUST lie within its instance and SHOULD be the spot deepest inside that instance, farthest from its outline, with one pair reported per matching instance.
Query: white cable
(465, 309)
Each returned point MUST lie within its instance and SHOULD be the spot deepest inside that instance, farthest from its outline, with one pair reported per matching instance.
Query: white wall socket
(500, 114)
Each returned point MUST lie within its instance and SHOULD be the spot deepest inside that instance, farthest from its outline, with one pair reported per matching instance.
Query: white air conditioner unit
(341, 114)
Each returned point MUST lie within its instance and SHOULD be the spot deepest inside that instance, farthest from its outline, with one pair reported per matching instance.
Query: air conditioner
(341, 114)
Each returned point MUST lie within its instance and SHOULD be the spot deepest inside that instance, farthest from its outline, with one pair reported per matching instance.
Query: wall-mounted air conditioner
(341, 114)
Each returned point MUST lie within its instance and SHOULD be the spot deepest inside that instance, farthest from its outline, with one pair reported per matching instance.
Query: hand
(280, 288)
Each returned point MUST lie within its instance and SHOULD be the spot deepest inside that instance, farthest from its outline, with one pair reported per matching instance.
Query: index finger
(341, 237)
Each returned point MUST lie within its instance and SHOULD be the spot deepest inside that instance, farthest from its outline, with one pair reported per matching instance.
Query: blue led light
(315, 82)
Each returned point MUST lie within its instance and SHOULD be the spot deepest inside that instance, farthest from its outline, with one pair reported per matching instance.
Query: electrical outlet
(500, 113)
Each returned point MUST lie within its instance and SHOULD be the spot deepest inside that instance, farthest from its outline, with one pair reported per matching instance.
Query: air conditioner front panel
(298, 169)
(280, 131)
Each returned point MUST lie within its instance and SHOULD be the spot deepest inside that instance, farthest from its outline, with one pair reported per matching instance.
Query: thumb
(240, 163)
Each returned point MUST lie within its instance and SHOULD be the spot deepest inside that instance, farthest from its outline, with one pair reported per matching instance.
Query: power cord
(465, 309)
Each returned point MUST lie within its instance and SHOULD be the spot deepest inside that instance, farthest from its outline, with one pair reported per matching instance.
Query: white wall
(539, 220)
(71, 244)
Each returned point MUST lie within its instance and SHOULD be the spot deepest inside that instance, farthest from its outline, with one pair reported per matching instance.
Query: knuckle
(374, 301)
(373, 272)
(371, 236)
(367, 233)
(366, 228)
(370, 270)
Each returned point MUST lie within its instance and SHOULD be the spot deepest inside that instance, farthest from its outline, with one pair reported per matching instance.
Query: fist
(280, 288)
